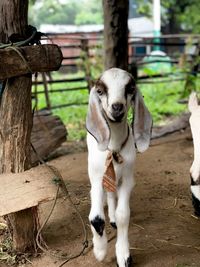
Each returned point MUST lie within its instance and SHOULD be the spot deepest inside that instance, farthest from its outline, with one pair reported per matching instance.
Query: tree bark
(13, 19)
(16, 124)
(116, 33)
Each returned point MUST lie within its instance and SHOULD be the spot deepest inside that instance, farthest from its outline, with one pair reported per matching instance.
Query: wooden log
(25, 190)
(177, 124)
(39, 58)
(48, 133)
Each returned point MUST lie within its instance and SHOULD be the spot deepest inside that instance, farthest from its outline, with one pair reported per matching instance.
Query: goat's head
(110, 99)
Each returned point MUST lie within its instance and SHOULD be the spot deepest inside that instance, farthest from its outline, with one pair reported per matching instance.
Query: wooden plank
(40, 58)
(24, 190)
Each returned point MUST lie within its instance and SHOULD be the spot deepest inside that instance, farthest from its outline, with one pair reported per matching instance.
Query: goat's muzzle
(118, 111)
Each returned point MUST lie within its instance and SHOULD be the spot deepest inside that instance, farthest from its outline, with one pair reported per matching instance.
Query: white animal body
(109, 134)
(194, 108)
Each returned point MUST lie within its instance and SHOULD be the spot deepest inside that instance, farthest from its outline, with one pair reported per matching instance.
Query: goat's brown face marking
(101, 88)
(130, 87)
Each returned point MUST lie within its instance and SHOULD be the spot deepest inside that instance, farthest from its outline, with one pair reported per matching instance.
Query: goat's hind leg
(195, 189)
(111, 201)
(97, 220)
(122, 214)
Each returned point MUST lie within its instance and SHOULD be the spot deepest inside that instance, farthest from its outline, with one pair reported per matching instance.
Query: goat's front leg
(122, 215)
(195, 186)
(97, 219)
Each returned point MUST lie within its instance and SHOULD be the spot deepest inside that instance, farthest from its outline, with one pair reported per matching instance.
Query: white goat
(111, 156)
(194, 108)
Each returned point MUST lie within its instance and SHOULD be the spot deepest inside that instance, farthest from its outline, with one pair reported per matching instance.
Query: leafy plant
(65, 12)
(180, 15)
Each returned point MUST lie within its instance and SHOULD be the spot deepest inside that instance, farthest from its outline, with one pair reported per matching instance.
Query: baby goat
(111, 154)
(194, 108)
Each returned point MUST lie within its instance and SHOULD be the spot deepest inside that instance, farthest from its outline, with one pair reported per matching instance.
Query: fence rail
(81, 52)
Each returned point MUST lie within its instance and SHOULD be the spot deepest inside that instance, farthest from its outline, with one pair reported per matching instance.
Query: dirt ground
(163, 232)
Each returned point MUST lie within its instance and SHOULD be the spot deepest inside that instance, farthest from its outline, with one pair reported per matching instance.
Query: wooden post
(86, 61)
(116, 33)
(16, 124)
(46, 91)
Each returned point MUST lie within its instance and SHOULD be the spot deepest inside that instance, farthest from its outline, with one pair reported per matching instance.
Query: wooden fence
(80, 53)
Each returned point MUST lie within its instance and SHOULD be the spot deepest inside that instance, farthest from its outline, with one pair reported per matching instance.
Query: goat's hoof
(100, 247)
(100, 253)
(196, 205)
(128, 262)
(113, 224)
(98, 224)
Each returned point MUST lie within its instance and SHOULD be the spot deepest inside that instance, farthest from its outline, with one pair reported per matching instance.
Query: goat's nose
(117, 107)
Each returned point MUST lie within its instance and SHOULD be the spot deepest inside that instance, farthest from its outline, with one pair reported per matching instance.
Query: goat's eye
(100, 91)
(101, 88)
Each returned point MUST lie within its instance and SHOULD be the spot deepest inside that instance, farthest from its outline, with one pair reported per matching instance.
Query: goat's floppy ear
(96, 123)
(142, 123)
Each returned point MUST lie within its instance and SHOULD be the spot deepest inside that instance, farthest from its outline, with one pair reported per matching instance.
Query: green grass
(72, 116)
(161, 99)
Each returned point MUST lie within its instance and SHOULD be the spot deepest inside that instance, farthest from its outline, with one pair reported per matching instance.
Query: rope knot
(117, 157)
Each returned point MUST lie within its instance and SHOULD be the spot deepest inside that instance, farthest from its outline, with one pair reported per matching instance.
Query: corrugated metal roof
(141, 26)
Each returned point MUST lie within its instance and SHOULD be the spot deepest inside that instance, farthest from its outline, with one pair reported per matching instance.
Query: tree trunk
(116, 33)
(16, 124)
(172, 27)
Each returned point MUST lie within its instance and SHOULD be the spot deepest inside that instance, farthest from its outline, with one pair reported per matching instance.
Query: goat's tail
(193, 102)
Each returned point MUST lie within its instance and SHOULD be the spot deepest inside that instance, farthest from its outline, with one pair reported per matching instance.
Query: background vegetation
(177, 15)
(161, 98)
(65, 12)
